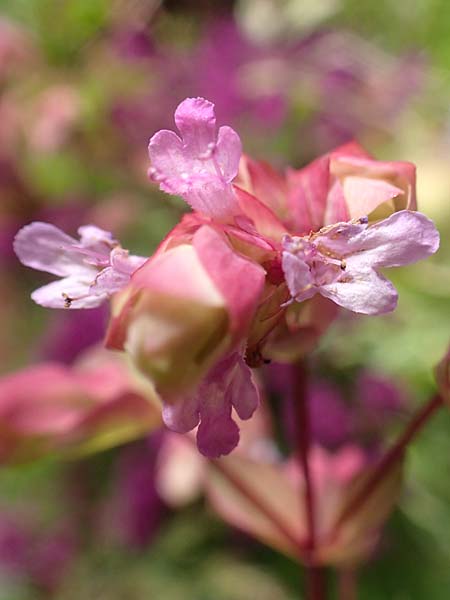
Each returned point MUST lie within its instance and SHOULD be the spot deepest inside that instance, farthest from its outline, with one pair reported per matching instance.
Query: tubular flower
(341, 262)
(91, 268)
(202, 163)
(183, 319)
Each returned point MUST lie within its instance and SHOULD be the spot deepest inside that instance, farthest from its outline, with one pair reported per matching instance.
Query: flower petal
(228, 152)
(298, 276)
(199, 166)
(402, 239)
(242, 390)
(364, 195)
(365, 292)
(239, 280)
(217, 434)
(68, 292)
(183, 415)
(196, 122)
(308, 192)
(44, 247)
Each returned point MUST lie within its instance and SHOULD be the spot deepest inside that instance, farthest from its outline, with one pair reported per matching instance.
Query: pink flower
(96, 404)
(92, 269)
(201, 164)
(228, 385)
(198, 312)
(342, 262)
(184, 318)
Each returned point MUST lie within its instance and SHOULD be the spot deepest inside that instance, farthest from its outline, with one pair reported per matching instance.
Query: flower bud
(184, 309)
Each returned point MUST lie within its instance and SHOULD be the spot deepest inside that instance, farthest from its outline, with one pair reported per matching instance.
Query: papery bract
(342, 185)
(335, 478)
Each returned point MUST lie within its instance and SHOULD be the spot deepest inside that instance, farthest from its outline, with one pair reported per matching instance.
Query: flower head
(91, 268)
(222, 284)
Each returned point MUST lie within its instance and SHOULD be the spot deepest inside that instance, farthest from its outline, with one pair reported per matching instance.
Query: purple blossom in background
(33, 555)
(69, 333)
(134, 509)
(360, 411)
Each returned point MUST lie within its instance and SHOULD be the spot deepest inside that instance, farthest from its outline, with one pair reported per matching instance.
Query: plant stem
(347, 584)
(391, 457)
(315, 585)
(303, 449)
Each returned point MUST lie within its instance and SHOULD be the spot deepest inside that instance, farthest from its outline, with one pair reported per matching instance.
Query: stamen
(67, 300)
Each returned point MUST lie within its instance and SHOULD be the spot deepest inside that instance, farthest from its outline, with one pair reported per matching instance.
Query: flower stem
(391, 457)
(347, 584)
(315, 585)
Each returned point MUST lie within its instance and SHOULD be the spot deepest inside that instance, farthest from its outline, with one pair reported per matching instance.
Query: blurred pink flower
(95, 404)
(54, 117)
(241, 490)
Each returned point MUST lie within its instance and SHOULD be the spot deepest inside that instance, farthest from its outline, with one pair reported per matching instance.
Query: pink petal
(200, 165)
(398, 173)
(239, 280)
(45, 247)
(266, 223)
(242, 390)
(196, 122)
(217, 434)
(260, 179)
(337, 210)
(228, 152)
(364, 292)
(109, 281)
(54, 294)
(308, 191)
(364, 195)
(298, 276)
(403, 238)
(183, 415)
(350, 149)
(90, 236)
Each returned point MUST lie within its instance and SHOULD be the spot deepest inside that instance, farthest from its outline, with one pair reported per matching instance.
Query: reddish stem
(391, 457)
(347, 584)
(303, 448)
(259, 503)
(315, 583)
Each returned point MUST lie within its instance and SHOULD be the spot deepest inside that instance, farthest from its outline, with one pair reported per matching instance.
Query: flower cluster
(203, 309)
